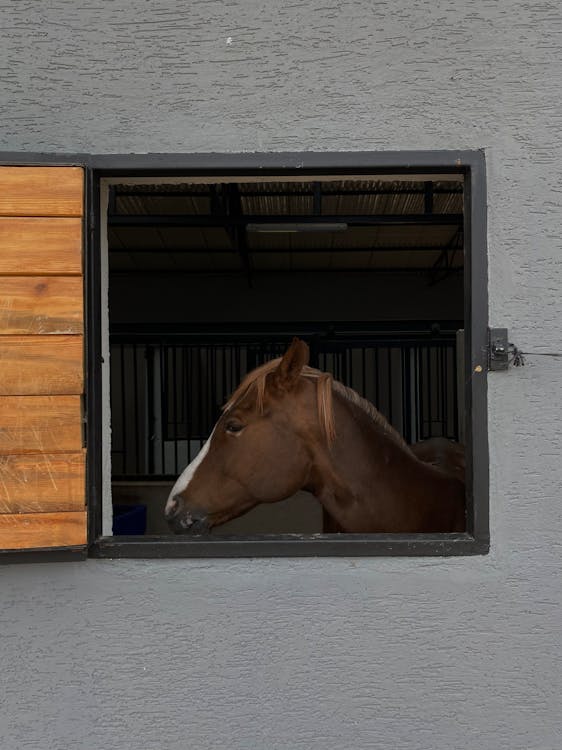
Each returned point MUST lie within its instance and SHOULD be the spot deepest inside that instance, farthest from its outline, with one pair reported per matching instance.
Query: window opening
(368, 271)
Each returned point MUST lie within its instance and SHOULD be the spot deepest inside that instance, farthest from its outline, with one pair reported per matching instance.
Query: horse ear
(288, 371)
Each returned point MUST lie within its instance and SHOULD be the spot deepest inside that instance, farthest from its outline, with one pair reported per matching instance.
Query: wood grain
(41, 365)
(42, 483)
(38, 530)
(49, 424)
(40, 246)
(41, 305)
(41, 191)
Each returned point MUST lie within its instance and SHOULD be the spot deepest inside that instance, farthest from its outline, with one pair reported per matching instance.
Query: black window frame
(471, 164)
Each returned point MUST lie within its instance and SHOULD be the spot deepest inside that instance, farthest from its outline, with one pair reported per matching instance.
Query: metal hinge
(498, 349)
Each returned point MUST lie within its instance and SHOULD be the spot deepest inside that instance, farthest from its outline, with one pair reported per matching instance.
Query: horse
(290, 427)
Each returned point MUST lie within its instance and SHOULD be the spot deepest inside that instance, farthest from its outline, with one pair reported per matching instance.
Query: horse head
(257, 451)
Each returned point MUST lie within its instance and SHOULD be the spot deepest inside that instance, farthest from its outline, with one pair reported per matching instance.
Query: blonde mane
(325, 385)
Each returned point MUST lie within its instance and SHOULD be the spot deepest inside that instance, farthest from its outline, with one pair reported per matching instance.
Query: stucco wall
(329, 654)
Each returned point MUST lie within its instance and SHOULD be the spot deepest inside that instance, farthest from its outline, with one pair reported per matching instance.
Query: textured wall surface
(454, 654)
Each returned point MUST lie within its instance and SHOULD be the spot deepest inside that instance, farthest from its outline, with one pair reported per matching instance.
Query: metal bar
(406, 396)
(390, 383)
(237, 368)
(426, 394)
(237, 229)
(163, 405)
(263, 272)
(123, 407)
(215, 198)
(421, 391)
(442, 393)
(175, 403)
(136, 408)
(402, 393)
(151, 412)
(414, 413)
(455, 395)
(188, 384)
(231, 368)
(132, 193)
(317, 199)
(278, 250)
(200, 393)
(183, 392)
(273, 350)
(224, 220)
(428, 198)
(377, 384)
(223, 370)
(213, 366)
(428, 328)
(364, 374)
(112, 202)
(210, 412)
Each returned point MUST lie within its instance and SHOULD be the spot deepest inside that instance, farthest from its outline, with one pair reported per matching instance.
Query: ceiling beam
(225, 220)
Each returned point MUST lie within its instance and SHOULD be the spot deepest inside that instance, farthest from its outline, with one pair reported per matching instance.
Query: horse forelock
(325, 385)
(254, 379)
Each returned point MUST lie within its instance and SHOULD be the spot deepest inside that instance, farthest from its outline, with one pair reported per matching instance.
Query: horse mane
(325, 385)
(370, 410)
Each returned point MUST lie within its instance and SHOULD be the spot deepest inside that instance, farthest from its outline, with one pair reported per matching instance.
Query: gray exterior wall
(459, 654)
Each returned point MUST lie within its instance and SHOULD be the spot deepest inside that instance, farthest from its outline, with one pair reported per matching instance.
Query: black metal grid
(167, 391)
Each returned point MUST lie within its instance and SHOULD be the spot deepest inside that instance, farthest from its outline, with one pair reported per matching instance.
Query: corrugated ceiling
(218, 246)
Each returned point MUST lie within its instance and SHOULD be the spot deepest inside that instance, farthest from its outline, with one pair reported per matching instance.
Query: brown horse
(288, 427)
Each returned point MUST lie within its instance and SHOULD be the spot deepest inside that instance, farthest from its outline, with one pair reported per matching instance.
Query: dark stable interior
(206, 281)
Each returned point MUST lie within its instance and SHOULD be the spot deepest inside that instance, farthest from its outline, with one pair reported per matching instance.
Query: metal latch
(498, 349)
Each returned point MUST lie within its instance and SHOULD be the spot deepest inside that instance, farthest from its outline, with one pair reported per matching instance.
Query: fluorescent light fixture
(294, 228)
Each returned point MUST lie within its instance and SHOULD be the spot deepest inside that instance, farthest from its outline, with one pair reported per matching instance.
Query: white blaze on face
(187, 474)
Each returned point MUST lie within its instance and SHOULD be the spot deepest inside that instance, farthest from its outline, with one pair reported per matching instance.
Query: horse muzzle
(184, 521)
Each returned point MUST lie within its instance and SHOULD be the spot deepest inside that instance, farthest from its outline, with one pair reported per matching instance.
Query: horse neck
(369, 480)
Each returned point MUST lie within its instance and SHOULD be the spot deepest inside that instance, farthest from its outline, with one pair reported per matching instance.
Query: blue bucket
(129, 520)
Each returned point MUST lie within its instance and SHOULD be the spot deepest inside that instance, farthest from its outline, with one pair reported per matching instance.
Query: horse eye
(234, 427)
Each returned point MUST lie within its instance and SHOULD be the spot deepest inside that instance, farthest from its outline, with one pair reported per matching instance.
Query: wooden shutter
(42, 459)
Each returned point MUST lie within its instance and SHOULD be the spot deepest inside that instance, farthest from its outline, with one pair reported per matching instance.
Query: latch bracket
(498, 349)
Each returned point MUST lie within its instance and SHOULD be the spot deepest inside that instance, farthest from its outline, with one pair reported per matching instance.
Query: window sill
(291, 545)
(44, 555)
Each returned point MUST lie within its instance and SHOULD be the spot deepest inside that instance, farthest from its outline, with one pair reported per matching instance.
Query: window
(212, 264)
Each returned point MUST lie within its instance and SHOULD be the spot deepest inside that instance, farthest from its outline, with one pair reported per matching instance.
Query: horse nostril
(172, 507)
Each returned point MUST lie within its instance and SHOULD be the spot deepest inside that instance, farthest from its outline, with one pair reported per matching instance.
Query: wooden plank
(42, 483)
(41, 191)
(40, 246)
(41, 304)
(46, 424)
(41, 365)
(39, 530)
